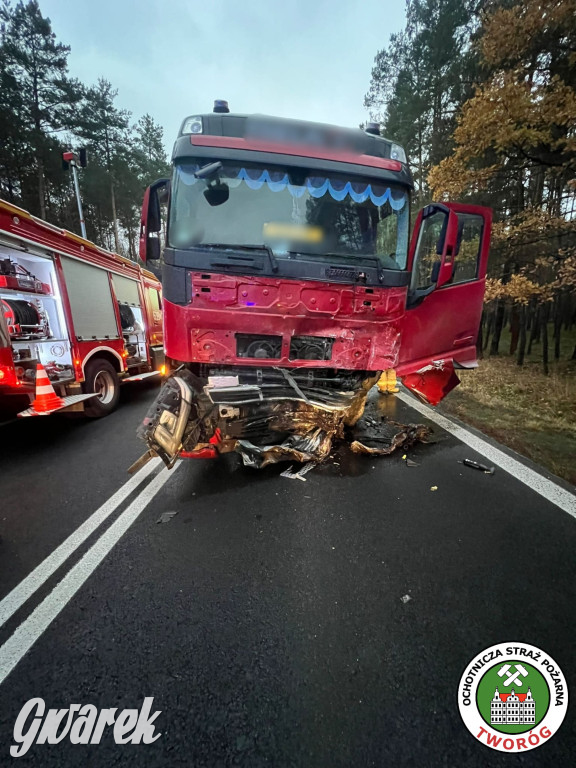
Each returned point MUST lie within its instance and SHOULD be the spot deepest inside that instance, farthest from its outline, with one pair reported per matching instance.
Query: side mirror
(151, 220)
(217, 194)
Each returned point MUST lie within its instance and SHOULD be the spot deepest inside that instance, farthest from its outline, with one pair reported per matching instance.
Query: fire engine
(291, 282)
(92, 319)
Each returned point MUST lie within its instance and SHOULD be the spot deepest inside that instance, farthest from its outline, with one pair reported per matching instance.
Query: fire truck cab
(291, 281)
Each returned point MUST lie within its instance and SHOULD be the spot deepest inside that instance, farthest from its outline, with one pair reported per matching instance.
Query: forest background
(482, 93)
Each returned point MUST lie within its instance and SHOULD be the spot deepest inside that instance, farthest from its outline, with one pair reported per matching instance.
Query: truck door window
(428, 250)
(154, 297)
(468, 248)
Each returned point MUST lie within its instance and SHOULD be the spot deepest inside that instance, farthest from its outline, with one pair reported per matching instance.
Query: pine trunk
(557, 328)
(479, 341)
(498, 325)
(522, 330)
(114, 219)
(545, 341)
(535, 330)
(514, 328)
(41, 187)
(489, 325)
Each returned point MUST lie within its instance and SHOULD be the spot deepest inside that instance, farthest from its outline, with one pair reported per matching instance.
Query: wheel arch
(106, 353)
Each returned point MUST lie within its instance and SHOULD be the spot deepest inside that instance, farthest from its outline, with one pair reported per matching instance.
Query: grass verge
(522, 408)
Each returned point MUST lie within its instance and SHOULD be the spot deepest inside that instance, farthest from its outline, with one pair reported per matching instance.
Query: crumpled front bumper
(279, 416)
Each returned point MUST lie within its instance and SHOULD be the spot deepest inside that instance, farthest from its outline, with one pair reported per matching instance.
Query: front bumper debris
(265, 415)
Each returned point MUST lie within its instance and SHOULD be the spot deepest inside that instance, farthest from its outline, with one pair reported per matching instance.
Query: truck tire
(100, 377)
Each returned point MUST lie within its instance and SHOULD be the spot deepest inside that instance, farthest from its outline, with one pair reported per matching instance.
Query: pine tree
(150, 145)
(515, 150)
(420, 80)
(39, 94)
(105, 129)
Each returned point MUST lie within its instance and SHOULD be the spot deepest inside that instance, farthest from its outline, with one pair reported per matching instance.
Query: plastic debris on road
(299, 475)
(381, 439)
(165, 517)
(405, 598)
(433, 487)
(476, 465)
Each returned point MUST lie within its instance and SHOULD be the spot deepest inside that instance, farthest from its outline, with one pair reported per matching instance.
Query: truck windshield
(292, 211)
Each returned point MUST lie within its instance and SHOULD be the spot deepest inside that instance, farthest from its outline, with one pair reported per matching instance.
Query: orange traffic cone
(46, 398)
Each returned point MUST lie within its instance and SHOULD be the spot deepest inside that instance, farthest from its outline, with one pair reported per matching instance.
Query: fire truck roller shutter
(90, 300)
(128, 297)
(126, 290)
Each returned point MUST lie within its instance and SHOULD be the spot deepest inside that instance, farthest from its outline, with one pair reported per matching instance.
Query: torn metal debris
(299, 474)
(432, 382)
(270, 415)
(165, 517)
(381, 436)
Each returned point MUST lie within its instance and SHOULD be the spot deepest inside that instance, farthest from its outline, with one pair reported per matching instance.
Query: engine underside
(266, 415)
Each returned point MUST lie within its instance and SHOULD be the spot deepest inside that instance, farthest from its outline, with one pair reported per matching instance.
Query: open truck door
(448, 259)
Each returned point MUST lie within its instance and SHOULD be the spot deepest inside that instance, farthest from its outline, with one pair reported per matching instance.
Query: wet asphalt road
(266, 617)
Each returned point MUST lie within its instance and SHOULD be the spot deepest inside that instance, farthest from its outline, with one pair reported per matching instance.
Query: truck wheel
(101, 378)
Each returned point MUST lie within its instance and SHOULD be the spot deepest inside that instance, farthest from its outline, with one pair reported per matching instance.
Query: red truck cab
(290, 277)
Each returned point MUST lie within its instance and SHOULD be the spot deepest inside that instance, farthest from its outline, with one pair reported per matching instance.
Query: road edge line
(552, 492)
(36, 578)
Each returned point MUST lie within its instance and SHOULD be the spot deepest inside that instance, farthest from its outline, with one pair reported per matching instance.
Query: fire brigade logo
(513, 697)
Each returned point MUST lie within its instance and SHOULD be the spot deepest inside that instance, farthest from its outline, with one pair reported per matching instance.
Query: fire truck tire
(101, 377)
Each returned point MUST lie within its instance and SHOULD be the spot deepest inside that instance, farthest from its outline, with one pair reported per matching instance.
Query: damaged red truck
(291, 282)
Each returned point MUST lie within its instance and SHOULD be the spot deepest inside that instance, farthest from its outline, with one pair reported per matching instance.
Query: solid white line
(23, 591)
(44, 614)
(546, 488)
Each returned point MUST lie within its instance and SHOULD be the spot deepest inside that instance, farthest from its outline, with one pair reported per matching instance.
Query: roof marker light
(397, 153)
(221, 106)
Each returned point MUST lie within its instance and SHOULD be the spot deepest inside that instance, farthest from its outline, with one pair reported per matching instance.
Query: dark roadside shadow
(29, 437)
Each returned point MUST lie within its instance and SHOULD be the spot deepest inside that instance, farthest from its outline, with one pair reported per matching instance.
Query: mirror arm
(418, 295)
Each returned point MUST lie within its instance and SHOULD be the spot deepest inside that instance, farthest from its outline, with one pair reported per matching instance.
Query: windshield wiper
(352, 264)
(231, 247)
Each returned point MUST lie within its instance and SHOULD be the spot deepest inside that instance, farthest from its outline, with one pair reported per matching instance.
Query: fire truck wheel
(101, 378)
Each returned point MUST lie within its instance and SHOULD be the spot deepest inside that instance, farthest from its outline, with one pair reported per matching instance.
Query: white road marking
(44, 614)
(18, 596)
(546, 488)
